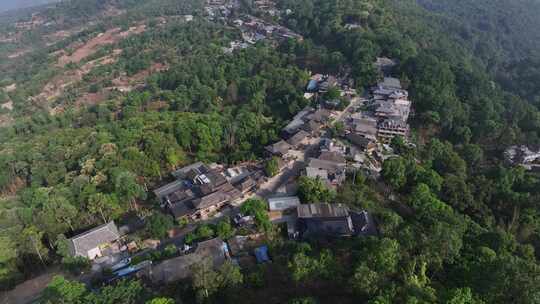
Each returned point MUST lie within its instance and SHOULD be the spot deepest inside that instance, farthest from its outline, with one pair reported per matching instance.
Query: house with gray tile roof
(91, 243)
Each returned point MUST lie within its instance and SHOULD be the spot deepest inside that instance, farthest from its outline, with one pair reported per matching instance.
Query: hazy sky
(13, 4)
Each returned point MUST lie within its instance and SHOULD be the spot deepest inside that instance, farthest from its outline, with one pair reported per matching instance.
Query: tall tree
(63, 291)
(126, 187)
(32, 242)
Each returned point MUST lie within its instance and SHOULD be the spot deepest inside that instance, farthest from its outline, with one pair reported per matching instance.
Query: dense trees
(460, 227)
(271, 167)
(159, 224)
(312, 191)
(61, 290)
(95, 165)
(207, 281)
(257, 209)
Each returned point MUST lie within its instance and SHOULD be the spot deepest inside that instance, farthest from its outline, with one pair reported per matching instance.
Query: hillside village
(209, 193)
(232, 151)
(340, 133)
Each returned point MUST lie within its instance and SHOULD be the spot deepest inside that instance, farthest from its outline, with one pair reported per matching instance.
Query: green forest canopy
(470, 216)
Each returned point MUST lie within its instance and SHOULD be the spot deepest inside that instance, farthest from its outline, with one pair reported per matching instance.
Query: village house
(365, 144)
(321, 116)
(281, 148)
(278, 206)
(297, 122)
(334, 220)
(521, 155)
(387, 115)
(364, 125)
(215, 251)
(327, 82)
(309, 120)
(330, 171)
(333, 156)
(312, 127)
(324, 219)
(299, 139)
(95, 243)
(199, 192)
(393, 108)
(322, 83)
(391, 128)
(242, 245)
(332, 145)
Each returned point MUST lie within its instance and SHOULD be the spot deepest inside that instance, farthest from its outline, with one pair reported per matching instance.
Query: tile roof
(322, 211)
(82, 243)
(332, 157)
(281, 147)
(298, 138)
(197, 167)
(181, 267)
(283, 203)
(168, 189)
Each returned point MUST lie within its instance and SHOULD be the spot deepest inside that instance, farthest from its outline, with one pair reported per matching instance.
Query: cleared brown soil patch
(91, 46)
(126, 83)
(7, 105)
(58, 84)
(5, 120)
(12, 188)
(18, 54)
(10, 88)
(92, 98)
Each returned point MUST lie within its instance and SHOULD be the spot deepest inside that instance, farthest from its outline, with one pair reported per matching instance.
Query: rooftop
(181, 267)
(283, 203)
(298, 120)
(359, 140)
(391, 83)
(311, 126)
(298, 138)
(321, 116)
(316, 173)
(169, 189)
(281, 147)
(334, 157)
(187, 171)
(331, 166)
(82, 243)
(322, 211)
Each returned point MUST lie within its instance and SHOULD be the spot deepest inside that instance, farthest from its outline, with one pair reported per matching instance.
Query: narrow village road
(354, 102)
(292, 171)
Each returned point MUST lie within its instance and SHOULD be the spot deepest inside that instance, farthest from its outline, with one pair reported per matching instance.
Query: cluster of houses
(200, 190)
(254, 30)
(266, 6)
(321, 83)
(219, 10)
(523, 156)
(385, 115)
